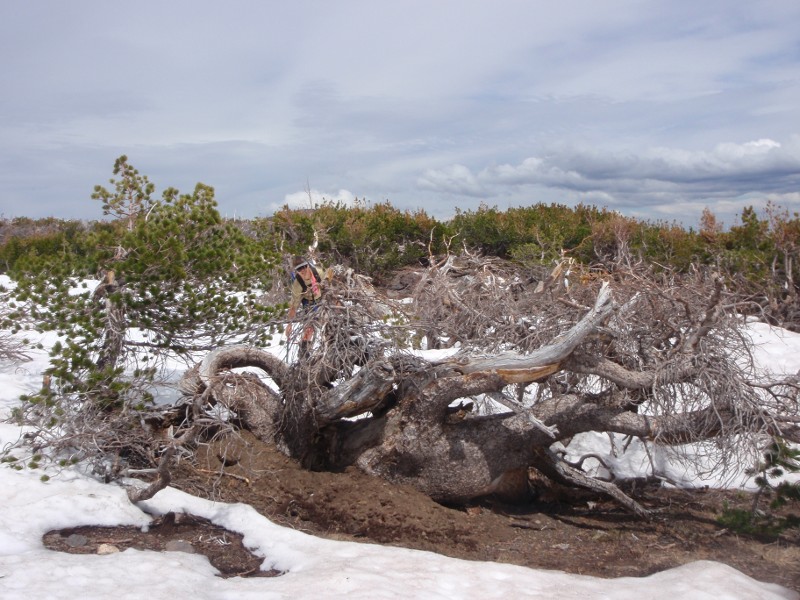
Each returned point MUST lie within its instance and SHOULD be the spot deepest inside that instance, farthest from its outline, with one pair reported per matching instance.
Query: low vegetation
(572, 319)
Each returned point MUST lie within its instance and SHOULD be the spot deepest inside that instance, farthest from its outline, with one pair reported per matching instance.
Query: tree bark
(394, 417)
(115, 323)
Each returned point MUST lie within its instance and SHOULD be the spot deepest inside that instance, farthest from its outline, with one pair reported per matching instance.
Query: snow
(314, 567)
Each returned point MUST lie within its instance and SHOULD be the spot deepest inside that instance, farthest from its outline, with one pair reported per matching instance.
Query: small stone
(179, 546)
(561, 546)
(77, 540)
(107, 549)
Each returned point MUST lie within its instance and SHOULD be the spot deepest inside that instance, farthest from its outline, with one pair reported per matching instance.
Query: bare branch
(163, 479)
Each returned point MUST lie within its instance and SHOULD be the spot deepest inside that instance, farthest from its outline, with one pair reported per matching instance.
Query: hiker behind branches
(306, 293)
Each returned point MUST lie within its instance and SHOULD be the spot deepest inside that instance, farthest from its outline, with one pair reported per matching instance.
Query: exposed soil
(578, 534)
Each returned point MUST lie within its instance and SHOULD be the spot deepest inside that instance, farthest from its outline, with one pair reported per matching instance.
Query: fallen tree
(529, 359)
(660, 358)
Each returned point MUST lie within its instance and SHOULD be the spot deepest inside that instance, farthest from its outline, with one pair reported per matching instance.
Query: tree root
(558, 469)
(163, 478)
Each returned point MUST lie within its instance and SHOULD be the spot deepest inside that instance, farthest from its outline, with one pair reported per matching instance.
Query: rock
(76, 540)
(179, 546)
(107, 549)
(561, 546)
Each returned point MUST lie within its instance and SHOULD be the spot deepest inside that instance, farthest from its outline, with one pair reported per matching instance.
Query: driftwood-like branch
(513, 367)
(362, 393)
(625, 378)
(549, 430)
(670, 349)
(231, 357)
(254, 403)
(225, 358)
(709, 320)
(162, 480)
(556, 468)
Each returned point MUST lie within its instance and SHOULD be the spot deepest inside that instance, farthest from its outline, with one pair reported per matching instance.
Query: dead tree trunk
(656, 366)
(411, 436)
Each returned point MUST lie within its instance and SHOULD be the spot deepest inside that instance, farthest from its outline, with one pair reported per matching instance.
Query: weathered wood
(114, 322)
(417, 432)
(412, 437)
(225, 358)
(518, 368)
(253, 402)
(626, 378)
(162, 480)
(516, 408)
(554, 467)
(360, 394)
(241, 355)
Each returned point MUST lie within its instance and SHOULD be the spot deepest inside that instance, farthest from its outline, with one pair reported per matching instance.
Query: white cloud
(431, 105)
(455, 179)
(666, 180)
(762, 157)
(311, 198)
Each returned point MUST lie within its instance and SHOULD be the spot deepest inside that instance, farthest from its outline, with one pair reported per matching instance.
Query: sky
(314, 567)
(653, 109)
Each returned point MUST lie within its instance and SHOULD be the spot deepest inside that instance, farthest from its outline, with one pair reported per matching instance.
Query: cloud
(638, 105)
(312, 198)
(455, 179)
(760, 160)
(762, 165)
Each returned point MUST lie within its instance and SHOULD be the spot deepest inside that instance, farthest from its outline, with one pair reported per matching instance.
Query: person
(306, 294)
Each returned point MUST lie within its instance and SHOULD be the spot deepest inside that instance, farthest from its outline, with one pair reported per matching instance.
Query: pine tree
(175, 279)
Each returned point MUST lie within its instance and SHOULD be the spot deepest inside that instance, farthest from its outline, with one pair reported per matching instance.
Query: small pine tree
(779, 459)
(176, 279)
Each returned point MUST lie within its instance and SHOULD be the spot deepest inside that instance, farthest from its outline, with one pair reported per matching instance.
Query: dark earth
(565, 530)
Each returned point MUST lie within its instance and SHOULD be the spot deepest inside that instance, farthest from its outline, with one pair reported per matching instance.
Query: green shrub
(778, 460)
(373, 239)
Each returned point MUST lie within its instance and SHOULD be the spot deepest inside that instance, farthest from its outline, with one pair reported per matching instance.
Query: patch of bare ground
(578, 533)
(168, 533)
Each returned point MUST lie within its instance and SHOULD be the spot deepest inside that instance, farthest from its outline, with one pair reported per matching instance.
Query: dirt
(579, 533)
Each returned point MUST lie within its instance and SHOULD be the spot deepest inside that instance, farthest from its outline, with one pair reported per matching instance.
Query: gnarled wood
(557, 469)
(516, 368)
(362, 393)
(652, 368)
(232, 357)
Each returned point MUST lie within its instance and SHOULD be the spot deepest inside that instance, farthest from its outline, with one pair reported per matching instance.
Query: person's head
(300, 264)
